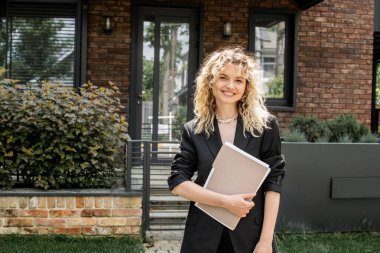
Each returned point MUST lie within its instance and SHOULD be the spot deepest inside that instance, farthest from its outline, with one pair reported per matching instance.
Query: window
(41, 41)
(376, 96)
(272, 39)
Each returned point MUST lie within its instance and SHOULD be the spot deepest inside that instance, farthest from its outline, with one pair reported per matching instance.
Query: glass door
(166, 65)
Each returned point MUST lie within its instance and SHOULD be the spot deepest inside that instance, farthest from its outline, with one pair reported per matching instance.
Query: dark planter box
(330, 187)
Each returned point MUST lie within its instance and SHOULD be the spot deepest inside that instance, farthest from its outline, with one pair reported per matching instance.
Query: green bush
(345, 139)
(295, 135)
(343, 129)
(369, 138)
(311, 126)
(56, 137)
(322, 139)
(345, 125)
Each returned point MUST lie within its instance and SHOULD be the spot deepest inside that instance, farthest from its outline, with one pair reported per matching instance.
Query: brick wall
(335, 60)
(215, 15)
(334, 49)
(108, 55)
(110, 216)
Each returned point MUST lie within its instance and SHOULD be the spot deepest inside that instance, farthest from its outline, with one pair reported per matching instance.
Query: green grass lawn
(329, 242)
(288, 243)
(65, 244)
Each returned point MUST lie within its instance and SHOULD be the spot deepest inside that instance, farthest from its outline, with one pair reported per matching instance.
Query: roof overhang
(306, 4)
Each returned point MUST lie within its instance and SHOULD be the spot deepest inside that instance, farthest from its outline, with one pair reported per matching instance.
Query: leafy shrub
(56, 137)
(322, 139)
(369, 138)
(345, 125)
(295, 136)
(344, 139)
(343, 129)
(310, 126)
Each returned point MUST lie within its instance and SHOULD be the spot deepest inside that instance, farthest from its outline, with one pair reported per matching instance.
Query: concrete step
(166, 197)
(167, 227)
(168, 214)
(164, 234)
(163, 202)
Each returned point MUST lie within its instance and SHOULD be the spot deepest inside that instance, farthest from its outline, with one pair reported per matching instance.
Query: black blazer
(197, 153)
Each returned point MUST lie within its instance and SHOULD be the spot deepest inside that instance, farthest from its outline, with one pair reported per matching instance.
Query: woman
(228, 107)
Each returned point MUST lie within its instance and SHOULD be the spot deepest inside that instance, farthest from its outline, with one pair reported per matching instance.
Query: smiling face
(229, 86)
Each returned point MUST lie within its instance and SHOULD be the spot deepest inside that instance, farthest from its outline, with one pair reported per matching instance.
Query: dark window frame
(288, 103)
(376, 60)
(81, 6)
(164, 8)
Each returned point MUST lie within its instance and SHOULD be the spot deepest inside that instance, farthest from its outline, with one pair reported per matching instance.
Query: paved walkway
(163, 241)
(163, 246)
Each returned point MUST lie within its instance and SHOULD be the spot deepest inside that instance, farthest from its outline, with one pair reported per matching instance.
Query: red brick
(80, 202)
(9, 212)
(112, 221)
(60, 202)
(34, 213)
(89, 202)
(28, 230)
(23, 202)
(107, 202)
(70, 202)
(43, 230)
(125, 202)
(67, 231)
(98, 202)
(81, 221)
(96, 212)
(51, 202)
(51, 222)
(42, 202)
(133, 221)
(18, 222)
(64, 213)
(135, 230)
(126, 212)
(4, 202)
(94, 230)
(125, 230)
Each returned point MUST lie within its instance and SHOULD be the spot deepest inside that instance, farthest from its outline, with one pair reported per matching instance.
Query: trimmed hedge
(59, 137)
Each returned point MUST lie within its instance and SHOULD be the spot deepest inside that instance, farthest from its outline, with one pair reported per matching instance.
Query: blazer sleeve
(184, 164)
(271, 154)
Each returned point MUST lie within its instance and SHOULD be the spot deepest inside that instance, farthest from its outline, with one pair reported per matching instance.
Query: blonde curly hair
(251, 106)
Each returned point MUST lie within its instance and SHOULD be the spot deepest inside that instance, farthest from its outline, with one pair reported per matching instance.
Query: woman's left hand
(263, 247)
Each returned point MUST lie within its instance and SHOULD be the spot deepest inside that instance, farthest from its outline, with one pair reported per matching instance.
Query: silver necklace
(228, 120)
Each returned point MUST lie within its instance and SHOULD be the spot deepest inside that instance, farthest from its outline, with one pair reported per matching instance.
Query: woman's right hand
(239, 204)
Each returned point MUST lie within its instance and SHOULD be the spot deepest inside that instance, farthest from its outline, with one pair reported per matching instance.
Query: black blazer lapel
(214, 141)
(240, 140)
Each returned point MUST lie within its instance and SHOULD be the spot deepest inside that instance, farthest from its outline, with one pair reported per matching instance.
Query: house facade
(314, 57)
